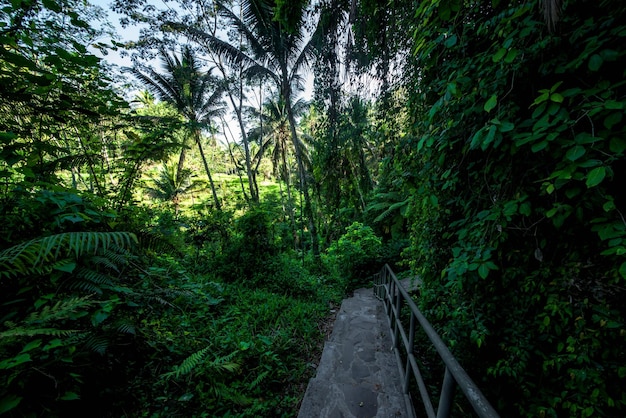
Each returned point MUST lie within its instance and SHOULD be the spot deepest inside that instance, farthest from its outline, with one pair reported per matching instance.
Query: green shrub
(356, 254)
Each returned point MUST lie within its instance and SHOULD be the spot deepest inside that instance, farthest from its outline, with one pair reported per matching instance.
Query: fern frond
(60, 310)
(32, 256)
(126, 328)
(94, 276)
(257, 381)
(117, 255)
(97, 344)
(31, 332)
(86, 286)
(188, 364)
(154, 242)
(220, 390)
(105, 262)
(393, 208)
(218, 365)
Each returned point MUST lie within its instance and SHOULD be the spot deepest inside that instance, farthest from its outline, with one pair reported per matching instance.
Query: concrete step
(358, 375)
(328, 399)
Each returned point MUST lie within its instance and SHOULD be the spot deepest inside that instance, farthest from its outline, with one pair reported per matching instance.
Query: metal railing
(387, 288)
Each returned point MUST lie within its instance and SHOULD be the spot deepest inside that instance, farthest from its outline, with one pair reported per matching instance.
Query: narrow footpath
(358, 376)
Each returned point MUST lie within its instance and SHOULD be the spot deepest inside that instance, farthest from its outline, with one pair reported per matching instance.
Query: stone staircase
(358, 376)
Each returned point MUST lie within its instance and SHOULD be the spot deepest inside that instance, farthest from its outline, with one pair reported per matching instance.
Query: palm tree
(274, 136)
(171, 185)
(277, 49)
(195, 94)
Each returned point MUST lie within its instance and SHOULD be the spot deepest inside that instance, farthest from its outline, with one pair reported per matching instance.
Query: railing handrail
(471, 391)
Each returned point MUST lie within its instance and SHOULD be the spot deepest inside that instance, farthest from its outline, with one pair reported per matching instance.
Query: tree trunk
(181, 163)
(208, 172)
(308, 209)
(289, 199)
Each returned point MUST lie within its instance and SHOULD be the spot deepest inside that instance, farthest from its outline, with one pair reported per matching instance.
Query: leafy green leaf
(622, 270)
(70, 396)
(14, 361)
(31, 345)
(498, 55)
(612, 120)
(617, 145)
(491, 103)
(511, 55)
(9, 402)
(595, 62)
(556, 98)
(483, 271)
(596, 176)
(450, 41)
(575, 152)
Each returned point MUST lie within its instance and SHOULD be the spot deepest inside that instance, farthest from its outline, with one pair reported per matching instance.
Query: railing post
(396, 329)
(447, 395)
(407, 372)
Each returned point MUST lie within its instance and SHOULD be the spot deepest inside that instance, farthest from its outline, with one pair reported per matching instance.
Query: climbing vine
(516, 204)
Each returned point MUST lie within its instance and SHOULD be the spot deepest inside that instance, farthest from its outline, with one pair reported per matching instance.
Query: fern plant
(38, 255)
(218, 365)
(48, 283)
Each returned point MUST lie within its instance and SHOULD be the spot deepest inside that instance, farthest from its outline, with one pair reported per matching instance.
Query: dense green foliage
(486, 155)
(513, 166)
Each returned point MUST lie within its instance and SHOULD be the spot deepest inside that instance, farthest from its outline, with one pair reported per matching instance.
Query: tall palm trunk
(181, 163)
(208, 172)
(308, 208)
(289, 198)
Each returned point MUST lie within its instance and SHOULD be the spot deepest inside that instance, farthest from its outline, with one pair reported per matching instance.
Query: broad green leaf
(557, 97)
(477, 139)
(622, 270)
(498, 55)
(617, 145)
(70, 396)
(596, 176)
(491, 103)
(612, 120)
(555, 86)
(483, 271)
(589, 163)
(506, 126)
(613, 105)
(539, 146)
(510, 57)
(595, 62)
(450, 41)
(14, 361)
(31, 345)
(608, 206)
(545, 95)
(9, 402)
(575, 152)
(491, 134)
(586, 138)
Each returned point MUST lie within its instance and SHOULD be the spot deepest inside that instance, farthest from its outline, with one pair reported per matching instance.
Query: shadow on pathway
(358, 376)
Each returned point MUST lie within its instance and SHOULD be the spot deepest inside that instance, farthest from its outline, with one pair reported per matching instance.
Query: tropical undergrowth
(151, 323)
